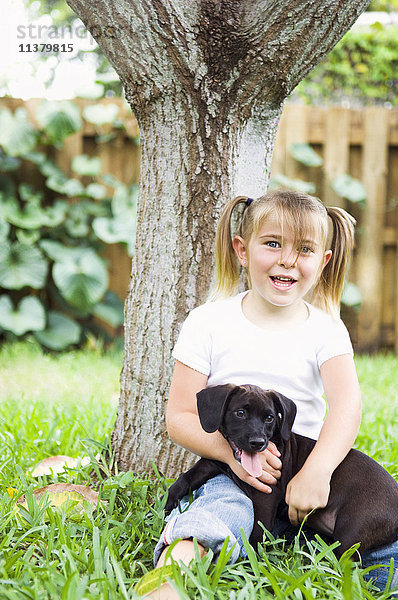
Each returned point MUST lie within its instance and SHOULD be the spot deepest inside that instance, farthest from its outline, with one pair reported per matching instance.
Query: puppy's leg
(201, 472)
(265, 509)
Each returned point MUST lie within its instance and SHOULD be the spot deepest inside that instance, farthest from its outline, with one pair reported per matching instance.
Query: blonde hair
(307, 218)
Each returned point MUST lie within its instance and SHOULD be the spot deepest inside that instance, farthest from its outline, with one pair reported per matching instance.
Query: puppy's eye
(241, 413)
(269, 419)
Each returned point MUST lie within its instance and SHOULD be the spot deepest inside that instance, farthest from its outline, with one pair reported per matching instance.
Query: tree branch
(207, 45)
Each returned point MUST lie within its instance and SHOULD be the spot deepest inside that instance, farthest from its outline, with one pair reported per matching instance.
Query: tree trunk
(172, 266)
(207, 80)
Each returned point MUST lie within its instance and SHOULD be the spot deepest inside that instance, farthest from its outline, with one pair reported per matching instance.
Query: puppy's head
(248, 417)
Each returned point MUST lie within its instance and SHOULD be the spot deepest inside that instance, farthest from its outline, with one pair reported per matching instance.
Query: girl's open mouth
(282, 283)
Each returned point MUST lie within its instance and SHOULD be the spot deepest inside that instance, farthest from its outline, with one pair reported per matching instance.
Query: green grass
(50, 403)
(379, 426)
(66, 404)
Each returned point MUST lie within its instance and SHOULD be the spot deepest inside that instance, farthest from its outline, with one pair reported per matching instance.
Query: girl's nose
(287, 258)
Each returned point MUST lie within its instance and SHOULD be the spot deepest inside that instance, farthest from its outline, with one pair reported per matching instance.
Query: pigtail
(227, 268)
(327, 293)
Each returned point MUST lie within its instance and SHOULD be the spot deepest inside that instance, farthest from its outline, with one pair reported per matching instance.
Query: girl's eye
(240, 413)
(305, 250)
(273, 244)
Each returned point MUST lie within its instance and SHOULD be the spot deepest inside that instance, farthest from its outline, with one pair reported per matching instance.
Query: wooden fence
(362, 143)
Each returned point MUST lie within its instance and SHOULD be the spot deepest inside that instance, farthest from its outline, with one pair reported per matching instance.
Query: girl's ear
(326, 258)
(239, 247)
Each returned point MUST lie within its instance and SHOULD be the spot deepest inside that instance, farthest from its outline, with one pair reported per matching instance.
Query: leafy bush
(53, 235)
(384, 5)
(363, 66)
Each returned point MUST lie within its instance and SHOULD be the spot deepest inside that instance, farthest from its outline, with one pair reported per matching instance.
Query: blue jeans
(220, 509)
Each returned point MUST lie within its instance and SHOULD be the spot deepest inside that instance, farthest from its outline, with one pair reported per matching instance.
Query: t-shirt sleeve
(335, 341)
(193, 346)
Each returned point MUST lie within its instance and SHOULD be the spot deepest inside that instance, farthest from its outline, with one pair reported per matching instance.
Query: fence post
(296, 131)
(370, 257)
(396, 302)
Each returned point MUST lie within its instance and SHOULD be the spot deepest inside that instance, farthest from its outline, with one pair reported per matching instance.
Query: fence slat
(278, 164)
(336, 152)
(73, 146)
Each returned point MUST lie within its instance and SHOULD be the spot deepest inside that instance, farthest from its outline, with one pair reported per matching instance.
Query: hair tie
(249, 201)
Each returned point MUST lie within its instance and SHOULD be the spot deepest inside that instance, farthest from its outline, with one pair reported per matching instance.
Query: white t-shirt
(218, 340)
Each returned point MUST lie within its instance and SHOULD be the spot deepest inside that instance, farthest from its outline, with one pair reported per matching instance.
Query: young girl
(272, 337)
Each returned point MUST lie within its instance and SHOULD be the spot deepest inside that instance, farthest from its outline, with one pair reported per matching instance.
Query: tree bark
(207, 80)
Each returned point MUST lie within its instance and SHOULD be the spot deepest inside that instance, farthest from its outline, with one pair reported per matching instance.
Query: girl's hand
(271, 464)
(307, 490)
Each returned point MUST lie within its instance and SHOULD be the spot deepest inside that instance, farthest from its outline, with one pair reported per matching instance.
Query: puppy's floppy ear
(287, 410)
(212, 402)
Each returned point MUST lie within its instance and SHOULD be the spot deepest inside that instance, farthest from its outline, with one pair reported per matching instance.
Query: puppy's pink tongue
(251, 463)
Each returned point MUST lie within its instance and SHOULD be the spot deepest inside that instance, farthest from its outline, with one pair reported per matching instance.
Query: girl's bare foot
(183, 551)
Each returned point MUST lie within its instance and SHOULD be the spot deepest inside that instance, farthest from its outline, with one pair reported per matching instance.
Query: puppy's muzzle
(258, 444)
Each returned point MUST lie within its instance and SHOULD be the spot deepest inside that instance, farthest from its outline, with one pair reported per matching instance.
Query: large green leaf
(110, 309)
(96, 191)
(4, 228)
(350, 188)
(60, 333)
(28, 237)
(17, 135)
(116, 230)
(293, 184)
(38, 158)
(22, 265)
(27, 193)
(55, 214)
(58, 252)
(77, 223)
(63, 185)
(306, 155)
(29, 315)
(86, 165)
(98, 114)
(124, 199)
(81, 281)
(351, 295)
(49, 169)
(31, 216)
(59, 119)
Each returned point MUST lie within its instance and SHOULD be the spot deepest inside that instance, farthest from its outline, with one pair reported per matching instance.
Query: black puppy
(363, 500)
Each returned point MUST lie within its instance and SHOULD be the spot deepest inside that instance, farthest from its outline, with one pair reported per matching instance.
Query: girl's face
(279, 272)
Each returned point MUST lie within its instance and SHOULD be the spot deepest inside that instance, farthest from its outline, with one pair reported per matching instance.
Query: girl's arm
(310, 488)
(184, 428)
